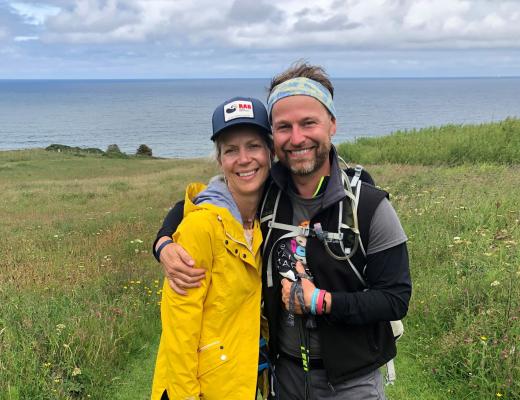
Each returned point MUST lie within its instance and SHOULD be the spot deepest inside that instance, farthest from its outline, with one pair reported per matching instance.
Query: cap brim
(240, 121)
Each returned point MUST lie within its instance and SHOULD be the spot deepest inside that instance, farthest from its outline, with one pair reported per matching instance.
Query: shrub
(144, 150)
(113, 148)
(113, 151)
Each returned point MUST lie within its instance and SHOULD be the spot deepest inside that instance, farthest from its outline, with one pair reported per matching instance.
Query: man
(344, 253)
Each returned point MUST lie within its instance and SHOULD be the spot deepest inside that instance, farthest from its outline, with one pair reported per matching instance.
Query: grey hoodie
(218, 194)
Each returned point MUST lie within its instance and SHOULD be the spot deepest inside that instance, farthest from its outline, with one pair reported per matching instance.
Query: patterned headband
(304, 87)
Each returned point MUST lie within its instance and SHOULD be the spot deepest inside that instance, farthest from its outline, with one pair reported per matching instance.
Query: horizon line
(262, 78)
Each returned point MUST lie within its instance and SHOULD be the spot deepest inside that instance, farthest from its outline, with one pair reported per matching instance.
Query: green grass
(79, 288)
(463, 324)
(136, 379)
(496, 143)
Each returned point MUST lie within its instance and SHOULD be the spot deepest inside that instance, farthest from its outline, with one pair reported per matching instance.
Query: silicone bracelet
(319, 303)
(313, 301)
(162, 246)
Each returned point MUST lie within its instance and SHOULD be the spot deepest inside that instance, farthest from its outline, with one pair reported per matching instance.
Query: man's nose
(297, 136)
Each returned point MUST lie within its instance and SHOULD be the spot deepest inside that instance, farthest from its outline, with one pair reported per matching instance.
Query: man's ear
(333, 126)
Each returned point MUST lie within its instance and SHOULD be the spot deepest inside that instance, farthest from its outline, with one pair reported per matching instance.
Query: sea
(173, 117)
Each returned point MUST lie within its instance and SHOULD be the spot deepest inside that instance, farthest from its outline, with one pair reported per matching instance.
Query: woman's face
(244, 159)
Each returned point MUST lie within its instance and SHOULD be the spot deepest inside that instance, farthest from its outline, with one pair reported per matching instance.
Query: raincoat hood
(218, 194)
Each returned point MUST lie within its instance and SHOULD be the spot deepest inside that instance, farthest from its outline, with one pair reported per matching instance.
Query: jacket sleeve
(182, 315)
(170, 224)
(388, 295)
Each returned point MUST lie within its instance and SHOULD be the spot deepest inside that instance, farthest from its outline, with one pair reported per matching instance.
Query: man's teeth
(242, 174)
(298, 152)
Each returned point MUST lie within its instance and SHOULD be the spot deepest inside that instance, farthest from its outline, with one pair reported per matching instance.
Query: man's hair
(302, 69)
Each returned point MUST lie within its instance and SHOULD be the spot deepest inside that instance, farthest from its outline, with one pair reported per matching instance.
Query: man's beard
(310, 166)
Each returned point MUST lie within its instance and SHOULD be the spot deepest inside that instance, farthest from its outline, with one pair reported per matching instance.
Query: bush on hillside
(69, 149)
(143, 150)
(113, 151)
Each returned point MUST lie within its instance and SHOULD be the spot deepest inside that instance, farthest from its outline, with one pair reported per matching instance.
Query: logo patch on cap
(238, 109)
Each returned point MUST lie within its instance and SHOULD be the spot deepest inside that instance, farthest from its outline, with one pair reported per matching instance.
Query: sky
(90, 39)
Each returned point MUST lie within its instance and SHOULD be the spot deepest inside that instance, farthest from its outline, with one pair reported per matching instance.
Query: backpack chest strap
(306, 231)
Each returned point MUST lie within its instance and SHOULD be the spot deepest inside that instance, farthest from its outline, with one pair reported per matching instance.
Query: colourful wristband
(319, 303)
(324, 311)
(313, 301)
(162, 246)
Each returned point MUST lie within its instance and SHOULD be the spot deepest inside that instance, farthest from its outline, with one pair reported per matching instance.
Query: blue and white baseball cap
(240, 111)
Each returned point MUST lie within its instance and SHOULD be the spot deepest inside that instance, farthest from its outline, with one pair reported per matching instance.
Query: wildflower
(47, 364)
(138, 282)
(60, 327)
(495, 283)
(76, 371)
(138, 241)
(125, 287)
(483, 338)
(456, 238)
(55, 236)
(499, 394)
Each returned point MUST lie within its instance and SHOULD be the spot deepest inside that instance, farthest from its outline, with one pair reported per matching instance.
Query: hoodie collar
(218, 194)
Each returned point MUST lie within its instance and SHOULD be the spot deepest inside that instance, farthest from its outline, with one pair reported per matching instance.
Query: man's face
(302, 132)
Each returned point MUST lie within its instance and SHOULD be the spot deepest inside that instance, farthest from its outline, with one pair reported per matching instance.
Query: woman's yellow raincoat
(209, 342)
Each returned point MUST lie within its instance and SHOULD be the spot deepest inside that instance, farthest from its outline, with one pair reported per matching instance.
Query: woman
(209, 342)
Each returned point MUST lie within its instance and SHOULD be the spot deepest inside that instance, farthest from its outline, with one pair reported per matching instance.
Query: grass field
(79, 289)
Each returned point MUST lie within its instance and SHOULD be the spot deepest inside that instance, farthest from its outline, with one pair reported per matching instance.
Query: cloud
(25, 38)
(244, 12)
(34, 13)
(334, 23)
(252, 37)
(246, 24)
